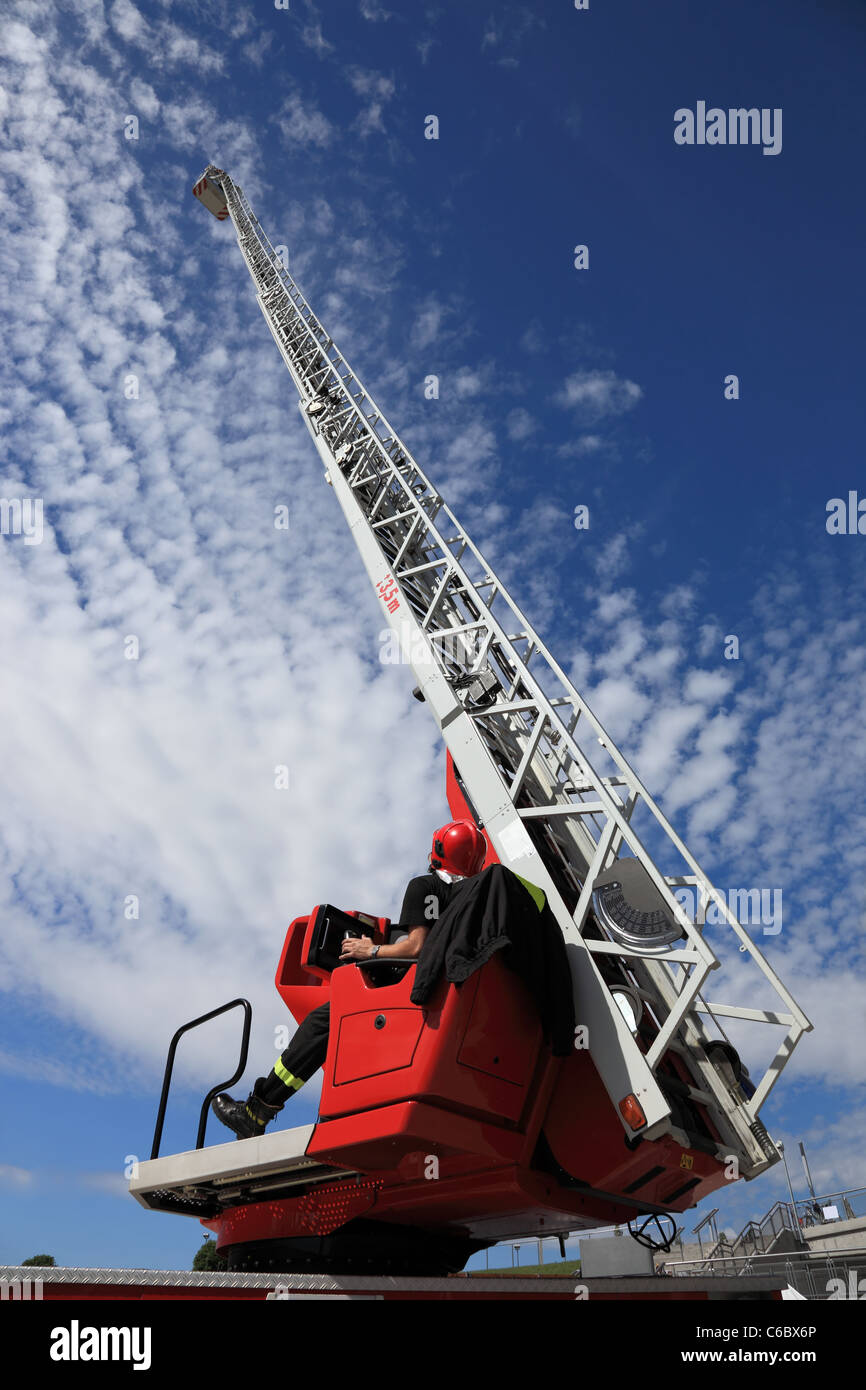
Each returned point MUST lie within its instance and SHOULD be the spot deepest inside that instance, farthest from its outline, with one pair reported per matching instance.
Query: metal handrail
(807, 1257)
(809, 1207)
(756, 1232)
(169, 1065)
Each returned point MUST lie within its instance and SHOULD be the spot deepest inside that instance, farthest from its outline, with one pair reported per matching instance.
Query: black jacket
(494, 912)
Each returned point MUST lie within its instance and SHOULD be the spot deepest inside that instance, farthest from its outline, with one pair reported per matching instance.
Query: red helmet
(459, 848)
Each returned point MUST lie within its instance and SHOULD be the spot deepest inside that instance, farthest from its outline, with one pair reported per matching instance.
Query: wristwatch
(374, 953)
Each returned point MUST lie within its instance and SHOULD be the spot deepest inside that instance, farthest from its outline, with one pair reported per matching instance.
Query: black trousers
(303, 1056)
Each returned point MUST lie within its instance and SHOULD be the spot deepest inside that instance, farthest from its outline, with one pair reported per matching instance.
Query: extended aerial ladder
(557, 801)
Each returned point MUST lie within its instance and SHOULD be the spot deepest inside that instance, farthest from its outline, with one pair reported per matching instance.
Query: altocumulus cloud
(148, 786)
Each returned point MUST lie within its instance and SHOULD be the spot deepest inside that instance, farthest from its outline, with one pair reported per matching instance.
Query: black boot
(246, 1117)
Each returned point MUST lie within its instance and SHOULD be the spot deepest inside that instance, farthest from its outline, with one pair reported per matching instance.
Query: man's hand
(356, 948)
(361, 948)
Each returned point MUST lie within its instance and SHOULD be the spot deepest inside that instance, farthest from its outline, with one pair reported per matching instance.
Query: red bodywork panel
(456, 1113)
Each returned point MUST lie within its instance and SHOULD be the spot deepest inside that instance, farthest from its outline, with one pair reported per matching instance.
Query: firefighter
(458, 852)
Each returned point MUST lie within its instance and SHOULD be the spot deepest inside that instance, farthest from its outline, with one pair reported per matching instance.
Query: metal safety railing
(223, 1085)
(826, 1275)
(757, 1237)
(835, 1206)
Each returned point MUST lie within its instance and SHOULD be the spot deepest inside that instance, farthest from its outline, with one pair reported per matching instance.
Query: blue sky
(558, 387)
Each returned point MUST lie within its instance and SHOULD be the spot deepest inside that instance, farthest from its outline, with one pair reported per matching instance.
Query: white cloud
(301, 123)
(509, 30)
(579, 448)
(533, 338)
(470, 447)
(177, 47)
(375, 11)
(618, 703)
(679, 601)
(127, 21)
(155, 779)
(711, 813)
(520, 424)
(467, 382)
(378, 91)
(167, 44)
(614, 604)
(115, 1184)
(257, 49)
(322, 217)
(612, 559)
(596, 394)
(311, 32)
(698, 778)
(144, 98)
(627, 640)
(10, 1176)
(711, 686)
(428, 321)
(20, 44)
(663, 737)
